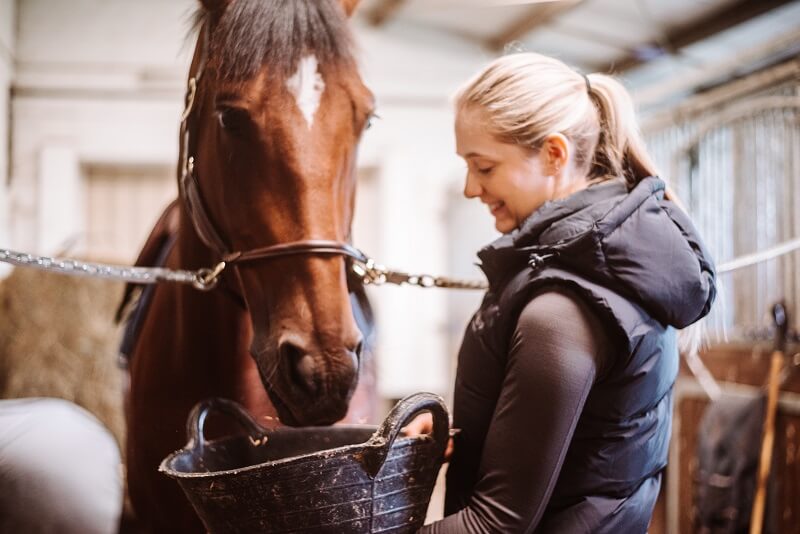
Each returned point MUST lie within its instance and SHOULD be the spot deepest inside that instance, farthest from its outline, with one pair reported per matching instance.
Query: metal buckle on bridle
(190, 94)
(207, 279)
(371, 273)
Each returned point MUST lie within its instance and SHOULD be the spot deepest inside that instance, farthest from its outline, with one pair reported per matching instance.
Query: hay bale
(58, 339)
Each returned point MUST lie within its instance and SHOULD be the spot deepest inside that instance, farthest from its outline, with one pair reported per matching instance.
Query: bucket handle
(197, 420)
(380, 443)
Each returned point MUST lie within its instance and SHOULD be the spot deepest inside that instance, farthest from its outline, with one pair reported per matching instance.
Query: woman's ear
(554, 153)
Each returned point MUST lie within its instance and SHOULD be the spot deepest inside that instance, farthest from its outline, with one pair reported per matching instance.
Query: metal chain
(373, 273)
(370, 272)
(203, 279)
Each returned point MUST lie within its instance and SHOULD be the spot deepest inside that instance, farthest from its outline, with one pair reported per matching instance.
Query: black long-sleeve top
(557, 351)
(565, 409)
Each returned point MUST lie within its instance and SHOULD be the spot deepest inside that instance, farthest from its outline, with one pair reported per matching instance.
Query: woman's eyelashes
(484, 169)
(371, 119)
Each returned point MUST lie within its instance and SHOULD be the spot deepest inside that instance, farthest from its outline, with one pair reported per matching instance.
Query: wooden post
(767, 444)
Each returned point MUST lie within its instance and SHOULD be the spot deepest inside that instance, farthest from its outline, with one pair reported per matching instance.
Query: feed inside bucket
(343, 479)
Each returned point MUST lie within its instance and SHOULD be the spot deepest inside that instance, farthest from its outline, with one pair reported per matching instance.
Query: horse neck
(217, 307)
(217, 329)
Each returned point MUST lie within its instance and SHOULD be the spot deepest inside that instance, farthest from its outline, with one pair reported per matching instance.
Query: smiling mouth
(495, 207)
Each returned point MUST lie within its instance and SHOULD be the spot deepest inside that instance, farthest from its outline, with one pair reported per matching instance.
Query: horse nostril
(302, 368)
(359, 350)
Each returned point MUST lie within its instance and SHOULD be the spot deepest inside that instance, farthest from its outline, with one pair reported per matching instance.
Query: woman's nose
(472, 187)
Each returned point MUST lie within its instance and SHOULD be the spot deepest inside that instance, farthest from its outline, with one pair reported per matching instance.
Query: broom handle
(767, 443)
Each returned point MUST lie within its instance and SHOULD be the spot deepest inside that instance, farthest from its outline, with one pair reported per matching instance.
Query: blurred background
(91, 93)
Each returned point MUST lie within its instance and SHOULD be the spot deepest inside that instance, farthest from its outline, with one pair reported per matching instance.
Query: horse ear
(215, 7)
(349, 6)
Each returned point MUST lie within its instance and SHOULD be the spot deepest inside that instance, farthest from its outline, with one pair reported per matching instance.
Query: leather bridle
(361, 269)
(206, 229)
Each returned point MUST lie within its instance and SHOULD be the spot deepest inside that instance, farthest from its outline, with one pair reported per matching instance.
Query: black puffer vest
(638, 262)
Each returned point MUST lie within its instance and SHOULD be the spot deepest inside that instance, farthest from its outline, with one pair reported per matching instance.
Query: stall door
(123, 203)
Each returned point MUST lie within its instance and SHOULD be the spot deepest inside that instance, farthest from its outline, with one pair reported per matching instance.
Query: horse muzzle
(310, 385)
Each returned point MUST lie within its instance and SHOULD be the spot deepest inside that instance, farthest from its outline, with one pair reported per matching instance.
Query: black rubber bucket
(342, 479)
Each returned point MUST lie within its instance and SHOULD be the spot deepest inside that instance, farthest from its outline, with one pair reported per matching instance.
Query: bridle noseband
(207, 231)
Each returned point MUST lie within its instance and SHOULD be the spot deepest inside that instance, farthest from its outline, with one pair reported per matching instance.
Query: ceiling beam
(680, 37)
(383, 11)
(536, 17)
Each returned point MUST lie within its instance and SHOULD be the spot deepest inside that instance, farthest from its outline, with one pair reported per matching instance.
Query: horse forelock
(279, 33)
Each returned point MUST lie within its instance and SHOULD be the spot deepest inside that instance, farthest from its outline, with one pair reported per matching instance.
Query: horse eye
(233, 119)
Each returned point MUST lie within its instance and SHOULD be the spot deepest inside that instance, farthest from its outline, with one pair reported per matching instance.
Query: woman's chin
(504, 225)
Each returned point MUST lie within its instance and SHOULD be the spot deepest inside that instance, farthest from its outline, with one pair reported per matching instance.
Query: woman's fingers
(423, 424)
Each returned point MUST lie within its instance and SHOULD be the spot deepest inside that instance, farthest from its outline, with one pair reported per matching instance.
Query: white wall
(96, 82)
(7, 45)
(414, 73)
(102, 81)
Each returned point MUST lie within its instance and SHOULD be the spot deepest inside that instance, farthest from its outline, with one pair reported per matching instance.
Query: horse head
(271, 138)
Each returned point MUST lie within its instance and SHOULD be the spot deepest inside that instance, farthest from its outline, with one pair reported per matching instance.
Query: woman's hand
(423, 424)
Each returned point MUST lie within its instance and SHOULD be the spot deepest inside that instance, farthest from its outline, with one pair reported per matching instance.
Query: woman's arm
(556, 353)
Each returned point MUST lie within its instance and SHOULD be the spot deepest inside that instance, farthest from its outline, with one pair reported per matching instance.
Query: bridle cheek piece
(206, 230)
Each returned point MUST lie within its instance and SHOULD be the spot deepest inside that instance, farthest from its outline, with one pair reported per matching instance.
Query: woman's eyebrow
(475, 155)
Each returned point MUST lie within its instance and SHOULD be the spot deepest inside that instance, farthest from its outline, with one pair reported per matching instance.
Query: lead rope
(368, 270)
(370, 273)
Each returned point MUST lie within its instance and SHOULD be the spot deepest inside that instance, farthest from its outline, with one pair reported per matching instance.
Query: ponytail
(620, 149)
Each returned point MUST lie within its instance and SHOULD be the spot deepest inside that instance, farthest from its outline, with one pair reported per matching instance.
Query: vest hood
(633, 242)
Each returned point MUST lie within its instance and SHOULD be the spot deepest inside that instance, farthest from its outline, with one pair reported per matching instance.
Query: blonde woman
(564, 386)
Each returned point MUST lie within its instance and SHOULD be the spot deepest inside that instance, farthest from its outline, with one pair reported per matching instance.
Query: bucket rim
(371, 453)
(165, 468)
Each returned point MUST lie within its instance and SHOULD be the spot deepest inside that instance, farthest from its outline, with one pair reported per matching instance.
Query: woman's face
(511, 180)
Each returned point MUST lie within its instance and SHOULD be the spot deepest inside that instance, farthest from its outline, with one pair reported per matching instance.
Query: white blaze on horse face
(307, 86)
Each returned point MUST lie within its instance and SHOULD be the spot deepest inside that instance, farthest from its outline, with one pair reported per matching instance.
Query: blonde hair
(529, 96)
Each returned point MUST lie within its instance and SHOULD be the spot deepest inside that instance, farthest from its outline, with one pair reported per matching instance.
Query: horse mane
(252, 33)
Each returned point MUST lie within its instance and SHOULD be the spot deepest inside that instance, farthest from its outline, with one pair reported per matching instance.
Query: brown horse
(275, 110)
